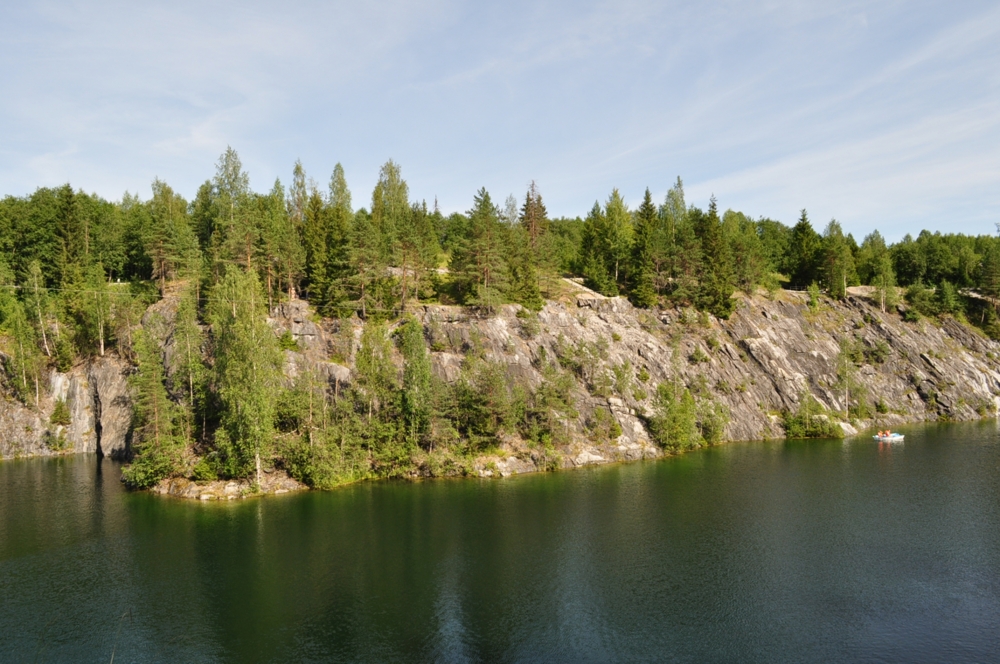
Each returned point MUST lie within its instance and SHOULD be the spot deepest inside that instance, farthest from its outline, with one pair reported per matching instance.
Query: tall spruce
(314, 239)
(642, 273)
(803, 248)
(716, 282)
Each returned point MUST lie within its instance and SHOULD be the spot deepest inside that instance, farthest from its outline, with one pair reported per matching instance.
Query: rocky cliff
(758, 364)
(99, 402)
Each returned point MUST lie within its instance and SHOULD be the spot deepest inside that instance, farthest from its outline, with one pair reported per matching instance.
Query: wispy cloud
(875, 112)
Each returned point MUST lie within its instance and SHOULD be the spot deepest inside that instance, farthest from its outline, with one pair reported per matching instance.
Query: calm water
(800, 551)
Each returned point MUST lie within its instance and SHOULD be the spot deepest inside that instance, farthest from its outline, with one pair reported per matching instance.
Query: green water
(769, 552)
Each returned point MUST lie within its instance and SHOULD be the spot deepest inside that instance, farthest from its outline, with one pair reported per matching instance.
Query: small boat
(891, 438)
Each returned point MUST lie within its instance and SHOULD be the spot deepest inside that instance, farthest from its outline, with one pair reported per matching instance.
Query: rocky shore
(758, 364)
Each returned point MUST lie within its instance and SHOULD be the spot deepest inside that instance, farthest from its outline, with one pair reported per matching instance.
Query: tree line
(77, 274)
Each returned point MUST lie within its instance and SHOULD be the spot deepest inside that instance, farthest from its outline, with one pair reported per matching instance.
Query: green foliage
(60, 414)
(203, 471)
(82, 272)
(477, 262)
(247, 371)
(921, 298)
(603, 426)
(674, 426)
(804, 247)
(156, 440)
(814, 295)
(287, 342)
(417, 397)
(717, 281)
(642, 271)
(810, 420)
(698, 356)
(713, 417)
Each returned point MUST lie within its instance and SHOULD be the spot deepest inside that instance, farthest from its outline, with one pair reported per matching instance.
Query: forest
(78, 273)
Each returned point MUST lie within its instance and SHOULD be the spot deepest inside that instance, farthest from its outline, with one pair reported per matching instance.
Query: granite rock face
(758, 364)
(99, 402)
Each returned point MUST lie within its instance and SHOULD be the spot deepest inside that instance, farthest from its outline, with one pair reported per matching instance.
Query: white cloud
(873, 112)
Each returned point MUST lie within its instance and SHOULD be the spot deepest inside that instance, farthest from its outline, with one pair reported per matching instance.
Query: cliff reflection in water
(797, 551)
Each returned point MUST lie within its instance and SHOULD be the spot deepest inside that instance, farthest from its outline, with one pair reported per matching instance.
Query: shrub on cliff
(810, 420)
(674, 425)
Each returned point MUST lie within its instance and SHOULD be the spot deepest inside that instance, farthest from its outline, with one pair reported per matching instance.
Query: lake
(799, 551)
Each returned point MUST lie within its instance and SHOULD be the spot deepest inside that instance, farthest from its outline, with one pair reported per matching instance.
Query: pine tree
(593, 257)
(750, 266)
(392, 215)
(642, 277)
(338, 242)
(314, 238)
(477, 263)
(804, 245)
(234, 233)
(155, 441)
(281, 249)
(366, 262)
(617, 239)
(716, 280)
(837, 262)
(172, 245)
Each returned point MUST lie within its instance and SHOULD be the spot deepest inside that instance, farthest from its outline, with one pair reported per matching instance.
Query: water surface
(794, 551)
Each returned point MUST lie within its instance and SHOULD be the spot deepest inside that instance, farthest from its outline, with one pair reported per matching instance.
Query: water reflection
(802, 551)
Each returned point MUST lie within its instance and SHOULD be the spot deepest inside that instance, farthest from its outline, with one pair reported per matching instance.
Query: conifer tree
(642, 275)
(155, 442)
(338, 243)
(477, 263)
(804, 245)
(172, 245)
(988, 282)
(716, 281)
(750, 263)
(617, 239)
(838, 262)
(314, 239)
(281, 249)
(203, 214)
(593, 258)
(367, 262)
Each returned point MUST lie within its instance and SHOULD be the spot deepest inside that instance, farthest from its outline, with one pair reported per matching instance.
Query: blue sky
(881, 114)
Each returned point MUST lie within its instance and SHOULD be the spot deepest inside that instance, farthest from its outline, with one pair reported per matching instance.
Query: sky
(882, 114)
